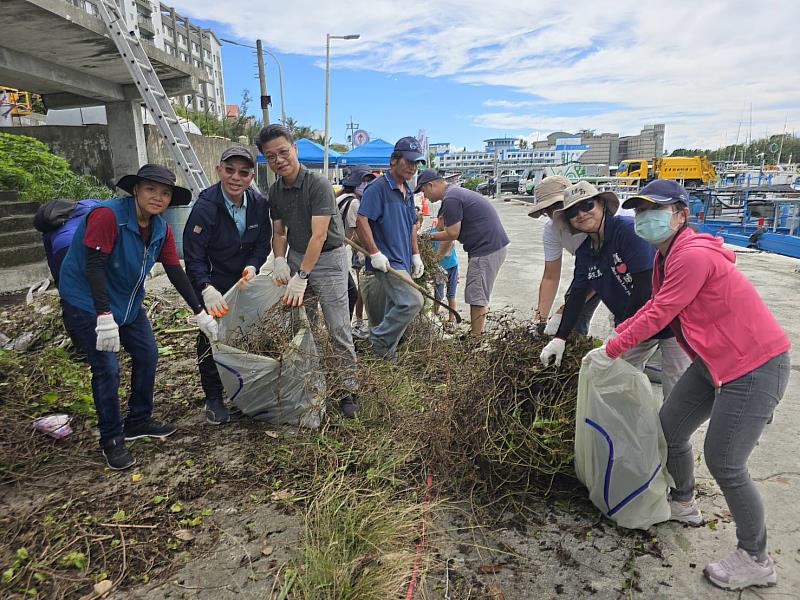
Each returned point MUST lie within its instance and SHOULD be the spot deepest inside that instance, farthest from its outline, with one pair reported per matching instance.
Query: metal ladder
(156, 100)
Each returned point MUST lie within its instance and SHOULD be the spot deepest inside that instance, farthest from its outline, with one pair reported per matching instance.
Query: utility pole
(262, 79)
(351, 128)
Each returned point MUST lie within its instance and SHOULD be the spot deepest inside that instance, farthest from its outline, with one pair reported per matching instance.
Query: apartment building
(504, 155)
(648, 144)
(160, 25)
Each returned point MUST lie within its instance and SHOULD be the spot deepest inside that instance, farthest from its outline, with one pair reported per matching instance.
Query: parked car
(508, 183)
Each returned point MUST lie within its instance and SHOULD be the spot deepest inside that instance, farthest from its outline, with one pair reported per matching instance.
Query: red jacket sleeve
(101, 230)
(169, 253)
(688, 273)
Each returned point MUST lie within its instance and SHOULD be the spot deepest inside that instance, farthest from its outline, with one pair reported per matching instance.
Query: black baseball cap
(238, 152)
(426, 176)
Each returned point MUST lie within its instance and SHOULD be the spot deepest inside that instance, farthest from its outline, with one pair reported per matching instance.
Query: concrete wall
(86, 149)
(208, 150)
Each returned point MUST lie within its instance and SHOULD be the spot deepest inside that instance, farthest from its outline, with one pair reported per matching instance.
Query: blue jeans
(391, 306)
(738, 412)
(137, 338)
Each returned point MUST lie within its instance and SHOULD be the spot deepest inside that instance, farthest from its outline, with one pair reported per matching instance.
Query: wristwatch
(302, 274)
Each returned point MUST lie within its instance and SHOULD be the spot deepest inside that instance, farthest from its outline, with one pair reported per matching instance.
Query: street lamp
(328, 38)
(261, 72)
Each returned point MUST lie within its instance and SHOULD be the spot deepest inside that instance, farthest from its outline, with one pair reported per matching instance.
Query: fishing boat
(764, 217)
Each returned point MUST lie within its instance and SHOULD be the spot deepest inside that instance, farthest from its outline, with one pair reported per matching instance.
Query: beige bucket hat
(550, 191)
(577, 193)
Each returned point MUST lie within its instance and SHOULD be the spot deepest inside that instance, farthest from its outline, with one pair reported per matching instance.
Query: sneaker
(117, 456)
(686, 512)
(740, 570)
(149, 428)
(349, 406)
(216, 413)
(360, 330)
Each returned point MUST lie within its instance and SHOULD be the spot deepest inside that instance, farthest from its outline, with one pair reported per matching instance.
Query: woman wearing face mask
(739, 371)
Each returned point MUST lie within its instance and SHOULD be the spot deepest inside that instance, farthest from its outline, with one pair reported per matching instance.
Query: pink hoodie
(722, 317)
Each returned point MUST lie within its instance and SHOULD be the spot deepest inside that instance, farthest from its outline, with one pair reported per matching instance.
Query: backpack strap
(344, 205)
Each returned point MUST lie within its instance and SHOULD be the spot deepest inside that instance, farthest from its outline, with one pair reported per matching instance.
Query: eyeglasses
(585, 206)
(282, 154)
(231, 171)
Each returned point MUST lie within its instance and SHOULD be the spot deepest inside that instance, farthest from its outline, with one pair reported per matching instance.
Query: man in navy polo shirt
(472, 220)
(385, 226)
(226, 238)
(618, 265)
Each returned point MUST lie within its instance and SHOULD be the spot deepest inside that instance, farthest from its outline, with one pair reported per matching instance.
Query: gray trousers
(738, 412)
(327, 284)
(391, 306)
(674, 361)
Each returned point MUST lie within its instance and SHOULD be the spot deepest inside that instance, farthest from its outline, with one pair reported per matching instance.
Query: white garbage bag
(620, 450)
(289, 390)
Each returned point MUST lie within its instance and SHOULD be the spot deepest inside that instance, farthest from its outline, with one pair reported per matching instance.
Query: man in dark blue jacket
(226, 238)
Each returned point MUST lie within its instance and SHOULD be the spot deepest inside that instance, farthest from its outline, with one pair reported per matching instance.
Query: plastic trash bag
(286, 391)
(620, 450)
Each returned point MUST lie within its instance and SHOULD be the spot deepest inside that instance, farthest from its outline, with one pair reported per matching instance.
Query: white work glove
(379, 261)
(417, 268)
(554, 349)
(214, 302)
(280, 271)
(295, 291)
(107, 332)
(553, 324)
(599, 357)
(207, 325)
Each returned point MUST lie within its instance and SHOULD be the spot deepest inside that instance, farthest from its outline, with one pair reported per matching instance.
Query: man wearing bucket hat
(472, 220)
(739, 372)
(618, 265)
(225, 240)
(385, 227)
(549, 197)
(102, 286)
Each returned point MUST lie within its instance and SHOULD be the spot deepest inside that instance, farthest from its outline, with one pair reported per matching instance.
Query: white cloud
(693, 65)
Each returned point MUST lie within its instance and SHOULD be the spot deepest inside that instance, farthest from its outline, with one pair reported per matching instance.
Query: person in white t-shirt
(549, 196)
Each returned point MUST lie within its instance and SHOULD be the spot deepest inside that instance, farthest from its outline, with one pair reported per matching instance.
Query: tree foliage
(28, 166)
(765, 149)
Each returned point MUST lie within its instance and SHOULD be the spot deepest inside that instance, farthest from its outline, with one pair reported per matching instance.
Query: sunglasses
(231, 171)
(585, 206)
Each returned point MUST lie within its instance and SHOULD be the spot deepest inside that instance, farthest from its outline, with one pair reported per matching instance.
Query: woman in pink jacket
(739, 371)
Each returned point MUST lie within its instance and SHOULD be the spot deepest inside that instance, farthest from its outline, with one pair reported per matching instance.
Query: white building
(167, 30)
(504, 154)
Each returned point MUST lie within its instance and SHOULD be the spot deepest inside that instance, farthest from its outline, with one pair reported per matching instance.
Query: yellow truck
(692, 171)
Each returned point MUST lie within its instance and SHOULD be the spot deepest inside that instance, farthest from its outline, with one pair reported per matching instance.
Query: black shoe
(349, 406)
(117, 456)
(149, 428)
(216, 413)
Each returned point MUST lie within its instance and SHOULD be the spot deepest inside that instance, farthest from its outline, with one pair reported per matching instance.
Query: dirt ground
(214, 512)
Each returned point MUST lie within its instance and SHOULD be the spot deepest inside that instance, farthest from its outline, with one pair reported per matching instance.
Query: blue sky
(466, 70)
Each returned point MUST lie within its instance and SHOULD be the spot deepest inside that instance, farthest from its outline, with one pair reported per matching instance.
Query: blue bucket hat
(410, 148)
(660, 191)
(356, 174)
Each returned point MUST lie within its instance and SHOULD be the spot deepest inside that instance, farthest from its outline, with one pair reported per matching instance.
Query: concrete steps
(20, 243)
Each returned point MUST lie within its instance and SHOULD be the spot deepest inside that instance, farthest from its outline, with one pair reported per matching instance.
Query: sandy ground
(591, 557)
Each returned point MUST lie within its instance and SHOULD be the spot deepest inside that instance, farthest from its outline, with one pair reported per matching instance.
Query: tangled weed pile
(271, 335)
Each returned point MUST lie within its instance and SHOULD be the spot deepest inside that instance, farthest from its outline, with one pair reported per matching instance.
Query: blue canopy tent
(375, 154)
(310, 154)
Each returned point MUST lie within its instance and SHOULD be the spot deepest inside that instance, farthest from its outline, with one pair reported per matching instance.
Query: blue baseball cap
(426, 176)
(660, 191)
(410, 148)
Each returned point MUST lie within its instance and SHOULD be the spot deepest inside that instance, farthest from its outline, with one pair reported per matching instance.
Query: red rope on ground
(413, 583)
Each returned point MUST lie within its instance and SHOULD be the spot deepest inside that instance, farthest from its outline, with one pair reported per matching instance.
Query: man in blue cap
(385, 226)
(472, 220)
